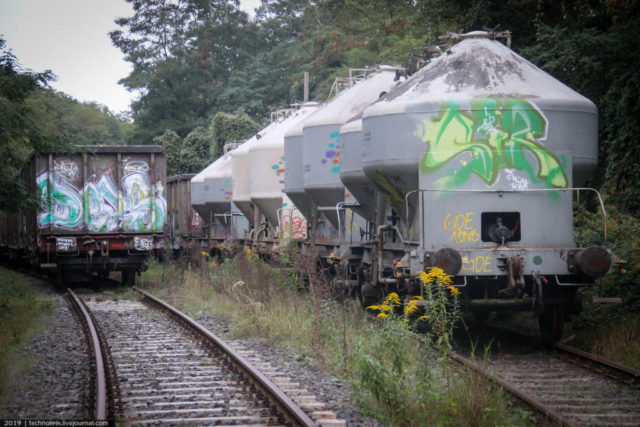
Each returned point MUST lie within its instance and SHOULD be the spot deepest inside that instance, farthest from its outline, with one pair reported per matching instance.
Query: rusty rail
(292, 412)
(100, 404)
(627, 371)
(632, 374)
(554, 416)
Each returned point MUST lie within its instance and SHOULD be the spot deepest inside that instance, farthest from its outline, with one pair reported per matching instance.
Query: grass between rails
(393, 375)
(20, 307)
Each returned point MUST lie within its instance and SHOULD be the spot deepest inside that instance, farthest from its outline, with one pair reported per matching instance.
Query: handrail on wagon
(529, 190)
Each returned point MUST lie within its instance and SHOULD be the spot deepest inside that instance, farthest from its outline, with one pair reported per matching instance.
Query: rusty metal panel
(183, 222)
(110, 189)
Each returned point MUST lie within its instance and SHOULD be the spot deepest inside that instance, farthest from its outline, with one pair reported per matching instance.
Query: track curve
(172, 372)
(97, 350)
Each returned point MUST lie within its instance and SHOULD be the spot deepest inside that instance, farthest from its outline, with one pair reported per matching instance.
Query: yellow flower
(416, 298)
(392, 298)
(446, 280)
(385, 307)
(424, 277)
(373, 307)
(251, 254)
(426, 316)
(204, 253)
(436, 271)
(435, 275)
(411, 309)
(454, 291)
(382, 315)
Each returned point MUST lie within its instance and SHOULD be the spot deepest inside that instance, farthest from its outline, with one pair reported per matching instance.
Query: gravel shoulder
(54, 383)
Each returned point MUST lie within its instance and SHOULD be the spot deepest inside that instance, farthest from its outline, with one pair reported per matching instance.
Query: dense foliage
(203, 145)
(19, 131)
(76, 122)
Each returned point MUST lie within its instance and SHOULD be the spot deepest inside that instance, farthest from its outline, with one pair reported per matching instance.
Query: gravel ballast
(331, 391)
(56, 383)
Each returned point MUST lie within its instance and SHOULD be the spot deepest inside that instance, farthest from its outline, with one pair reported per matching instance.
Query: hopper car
(102, 209)
(471, 165)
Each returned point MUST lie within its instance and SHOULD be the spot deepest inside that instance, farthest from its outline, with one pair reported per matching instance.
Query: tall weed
(394, 376)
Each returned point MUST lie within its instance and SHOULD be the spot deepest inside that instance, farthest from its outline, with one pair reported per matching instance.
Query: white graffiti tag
(135, 166)
(142, 243)
(66, 168)
(516, 182)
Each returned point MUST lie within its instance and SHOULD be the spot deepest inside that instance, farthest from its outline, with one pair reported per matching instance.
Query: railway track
(567, 386)
(161, 367)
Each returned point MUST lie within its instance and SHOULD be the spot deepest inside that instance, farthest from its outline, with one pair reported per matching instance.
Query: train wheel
(128, 277)
(550, 317)
(551, 323)
(369, 295)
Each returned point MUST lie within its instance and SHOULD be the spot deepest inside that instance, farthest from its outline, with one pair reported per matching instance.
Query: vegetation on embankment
(612, 331)
(20, 308)
(394, 375)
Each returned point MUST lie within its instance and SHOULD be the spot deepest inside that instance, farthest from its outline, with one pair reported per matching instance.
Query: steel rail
(511, 388)
(633, 374)
(101, 383)
(287, 407)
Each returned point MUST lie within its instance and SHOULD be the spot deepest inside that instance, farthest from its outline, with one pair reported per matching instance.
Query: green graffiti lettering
(497, 134)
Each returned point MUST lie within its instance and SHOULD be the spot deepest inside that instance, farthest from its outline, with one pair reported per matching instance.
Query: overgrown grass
(394, 376)
(611, 331)
(20, 307)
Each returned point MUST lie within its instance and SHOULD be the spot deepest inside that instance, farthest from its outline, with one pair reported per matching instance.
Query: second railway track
(568, 387)
(169, 373)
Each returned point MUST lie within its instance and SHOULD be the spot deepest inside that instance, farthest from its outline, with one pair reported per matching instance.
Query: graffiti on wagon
(100, 205)
(498, 135)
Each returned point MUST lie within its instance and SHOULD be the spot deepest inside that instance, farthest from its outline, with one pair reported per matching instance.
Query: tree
(225, 128)
(80, 123)
(196, 151)
(596, 51)
(183, 54)
(19, 132)
(172, 144)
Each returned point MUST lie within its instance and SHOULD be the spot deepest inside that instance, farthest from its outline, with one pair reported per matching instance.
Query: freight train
(471, 165)
(102, 209)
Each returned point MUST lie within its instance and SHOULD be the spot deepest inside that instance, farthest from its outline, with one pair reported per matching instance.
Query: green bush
(611, 330)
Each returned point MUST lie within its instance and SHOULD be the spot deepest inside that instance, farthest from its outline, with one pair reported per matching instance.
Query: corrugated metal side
(184, 223)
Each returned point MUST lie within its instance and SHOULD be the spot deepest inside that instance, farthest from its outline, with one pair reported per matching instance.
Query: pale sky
(70, 37)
